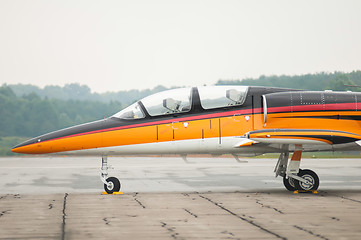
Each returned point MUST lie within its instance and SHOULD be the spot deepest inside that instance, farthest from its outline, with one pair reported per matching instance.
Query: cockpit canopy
(222, 96)
(180, 101)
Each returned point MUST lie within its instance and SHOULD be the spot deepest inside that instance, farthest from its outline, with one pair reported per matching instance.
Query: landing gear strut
(295, 178)
(111, 184)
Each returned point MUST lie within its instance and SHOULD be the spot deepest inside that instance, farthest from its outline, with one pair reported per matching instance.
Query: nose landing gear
(111, 184)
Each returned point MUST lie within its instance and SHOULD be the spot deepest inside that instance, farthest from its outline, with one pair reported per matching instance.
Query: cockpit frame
(184, 100)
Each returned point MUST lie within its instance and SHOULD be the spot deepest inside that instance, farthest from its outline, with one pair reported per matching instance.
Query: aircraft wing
(303, 136)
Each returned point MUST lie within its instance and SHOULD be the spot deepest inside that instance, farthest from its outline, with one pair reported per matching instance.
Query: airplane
(237, 120)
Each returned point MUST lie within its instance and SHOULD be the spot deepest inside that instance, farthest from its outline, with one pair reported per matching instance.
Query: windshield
(132, 112)
(162, 103)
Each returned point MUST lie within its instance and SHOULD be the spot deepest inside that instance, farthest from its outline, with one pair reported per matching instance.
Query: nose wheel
(111, 184)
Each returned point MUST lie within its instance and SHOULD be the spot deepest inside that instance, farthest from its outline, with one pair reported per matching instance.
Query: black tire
(311, 176)
(114, 185)
(289, 184)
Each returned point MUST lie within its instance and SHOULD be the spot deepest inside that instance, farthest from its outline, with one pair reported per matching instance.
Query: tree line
(30, 115)
(76, 91)
(339, 81)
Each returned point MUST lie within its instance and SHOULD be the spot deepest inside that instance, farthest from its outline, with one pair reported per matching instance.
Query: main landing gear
(294, 178)
(111, 184)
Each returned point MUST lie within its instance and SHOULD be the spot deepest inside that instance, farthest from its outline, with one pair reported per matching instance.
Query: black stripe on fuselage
(332, 139)
(275, 130)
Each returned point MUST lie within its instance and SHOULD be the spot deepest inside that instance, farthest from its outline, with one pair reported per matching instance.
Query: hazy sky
(118, 45)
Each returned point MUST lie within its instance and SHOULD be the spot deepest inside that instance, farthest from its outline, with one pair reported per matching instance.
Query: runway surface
(167, 198)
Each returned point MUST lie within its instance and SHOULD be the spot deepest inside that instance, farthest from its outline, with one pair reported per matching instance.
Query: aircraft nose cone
(26, 147)
(15, 149)
(60, 140)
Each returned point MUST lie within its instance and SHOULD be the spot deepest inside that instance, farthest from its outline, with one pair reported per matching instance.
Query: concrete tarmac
(166, 198)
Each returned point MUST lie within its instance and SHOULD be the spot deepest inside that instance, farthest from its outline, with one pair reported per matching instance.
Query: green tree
(342, 82)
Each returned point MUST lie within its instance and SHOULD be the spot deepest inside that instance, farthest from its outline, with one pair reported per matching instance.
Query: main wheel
(289, 183)
(311, 176)
(112, 186)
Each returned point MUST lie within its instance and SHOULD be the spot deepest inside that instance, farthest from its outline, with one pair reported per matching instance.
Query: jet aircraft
(236, 120)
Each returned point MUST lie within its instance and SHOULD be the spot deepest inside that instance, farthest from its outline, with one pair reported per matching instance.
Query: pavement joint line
(171, 230)
(64, 217)
(188, 211)
(310, 232)
(4, 212)
(267, 206)
(227, 233)
(242, 218)
(137, 200)
(107, 222)
(350, 199)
